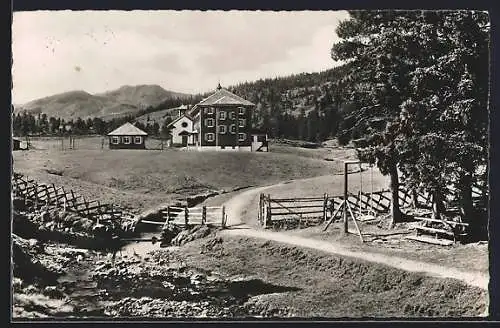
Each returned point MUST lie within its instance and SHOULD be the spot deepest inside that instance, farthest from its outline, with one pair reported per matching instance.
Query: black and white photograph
(249, 165)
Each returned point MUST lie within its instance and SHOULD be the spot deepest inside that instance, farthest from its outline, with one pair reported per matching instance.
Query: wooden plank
(333, 217)
(304, 219)
(151, 222)
(294, 200)
(441, 221)
(294, 212)
(300, 206)
(435, 230)
(430, 240)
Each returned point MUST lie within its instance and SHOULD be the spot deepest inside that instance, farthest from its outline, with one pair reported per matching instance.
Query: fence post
(86, 206)
(325, 205)
(47, 195)
(260, 209)
(168, 215)
(73, 201)
(36, 195)
(267, 202)
(223, 216)
(186, 216)
(203, 215)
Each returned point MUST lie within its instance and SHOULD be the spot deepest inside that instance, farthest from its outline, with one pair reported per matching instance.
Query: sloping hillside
(127, 100)
(158, 116)
(142, 95)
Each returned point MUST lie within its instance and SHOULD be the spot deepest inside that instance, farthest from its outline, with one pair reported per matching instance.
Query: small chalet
(127, 136)
(181, 129)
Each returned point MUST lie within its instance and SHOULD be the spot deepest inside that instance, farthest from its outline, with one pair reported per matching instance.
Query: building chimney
(218, 86)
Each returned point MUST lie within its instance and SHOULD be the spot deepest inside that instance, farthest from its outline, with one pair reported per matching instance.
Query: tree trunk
(437, 205)
(414, 198)
(394, 185)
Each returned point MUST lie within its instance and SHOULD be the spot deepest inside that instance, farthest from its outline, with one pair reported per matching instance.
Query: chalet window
(222, 115)
(241, 123)
(210, 110)
(184, 124)
(222, 129)
(232, 128)
(209, 137)
(242, 136)
(138, 140)
(126, 140)
(209, 122)
(115, 140)
(241, 110)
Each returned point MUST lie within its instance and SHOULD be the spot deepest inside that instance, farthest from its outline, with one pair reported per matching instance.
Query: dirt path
(237, 206)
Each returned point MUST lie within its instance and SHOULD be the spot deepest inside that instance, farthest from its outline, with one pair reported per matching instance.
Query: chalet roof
(224, 97)
(127, 129)
(178, 118)
(186, 133)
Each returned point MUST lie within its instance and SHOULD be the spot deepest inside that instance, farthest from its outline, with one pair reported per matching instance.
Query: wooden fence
(39, 195)
(189, 216)
(318, 209)
(304, 209)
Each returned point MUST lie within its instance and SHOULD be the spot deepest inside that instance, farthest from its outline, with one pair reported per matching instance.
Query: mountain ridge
(126, 100)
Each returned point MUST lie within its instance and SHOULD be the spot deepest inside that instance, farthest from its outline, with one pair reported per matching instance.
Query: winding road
(236, 207)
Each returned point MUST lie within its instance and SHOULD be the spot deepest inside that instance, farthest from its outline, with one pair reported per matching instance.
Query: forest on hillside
(303, 106)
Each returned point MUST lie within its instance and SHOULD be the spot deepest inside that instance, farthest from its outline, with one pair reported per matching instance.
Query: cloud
(184, 51)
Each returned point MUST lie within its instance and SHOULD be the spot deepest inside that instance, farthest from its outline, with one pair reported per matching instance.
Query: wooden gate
(305, 209)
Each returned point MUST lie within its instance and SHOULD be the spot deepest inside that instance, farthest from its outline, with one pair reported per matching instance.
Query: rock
(53, 292)
(30, 289)
(17, 283)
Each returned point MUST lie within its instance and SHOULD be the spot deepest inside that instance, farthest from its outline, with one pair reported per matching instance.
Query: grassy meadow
(144, 178)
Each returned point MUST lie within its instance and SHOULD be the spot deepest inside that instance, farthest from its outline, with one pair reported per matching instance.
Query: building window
(231, 115)
(232, 128)
(126, 140)
(209, 137)
(222, 129)
(184, 124)
(115, 140)
(222, 115)
(209, 122)
(138, 140)
(242, 136)
(241, 110)
(241, 123)
(210, 110)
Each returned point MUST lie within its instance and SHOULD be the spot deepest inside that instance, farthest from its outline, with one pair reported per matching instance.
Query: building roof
(186, 133)
(127, 129)
(224, 97)
(178, 118)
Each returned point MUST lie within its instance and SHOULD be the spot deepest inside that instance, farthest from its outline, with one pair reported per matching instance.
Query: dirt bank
(333, 286)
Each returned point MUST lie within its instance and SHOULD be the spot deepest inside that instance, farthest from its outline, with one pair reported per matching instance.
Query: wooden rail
(45, 195)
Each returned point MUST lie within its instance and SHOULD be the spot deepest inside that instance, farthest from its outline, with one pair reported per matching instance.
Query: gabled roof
(186, 133)
(127, 129)
(177, 119)
(224, 97)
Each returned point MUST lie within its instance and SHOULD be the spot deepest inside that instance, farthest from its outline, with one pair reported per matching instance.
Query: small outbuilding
(181, 131)
(127, 136)
(16, 144)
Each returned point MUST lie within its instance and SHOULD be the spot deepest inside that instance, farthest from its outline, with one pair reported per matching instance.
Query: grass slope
(153, 175)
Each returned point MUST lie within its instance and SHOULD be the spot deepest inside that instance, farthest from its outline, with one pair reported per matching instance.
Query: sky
(183, 51)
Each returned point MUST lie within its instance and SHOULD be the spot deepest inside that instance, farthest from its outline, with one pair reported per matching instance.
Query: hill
(158, 116)
(127, 100)
(142, 96)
